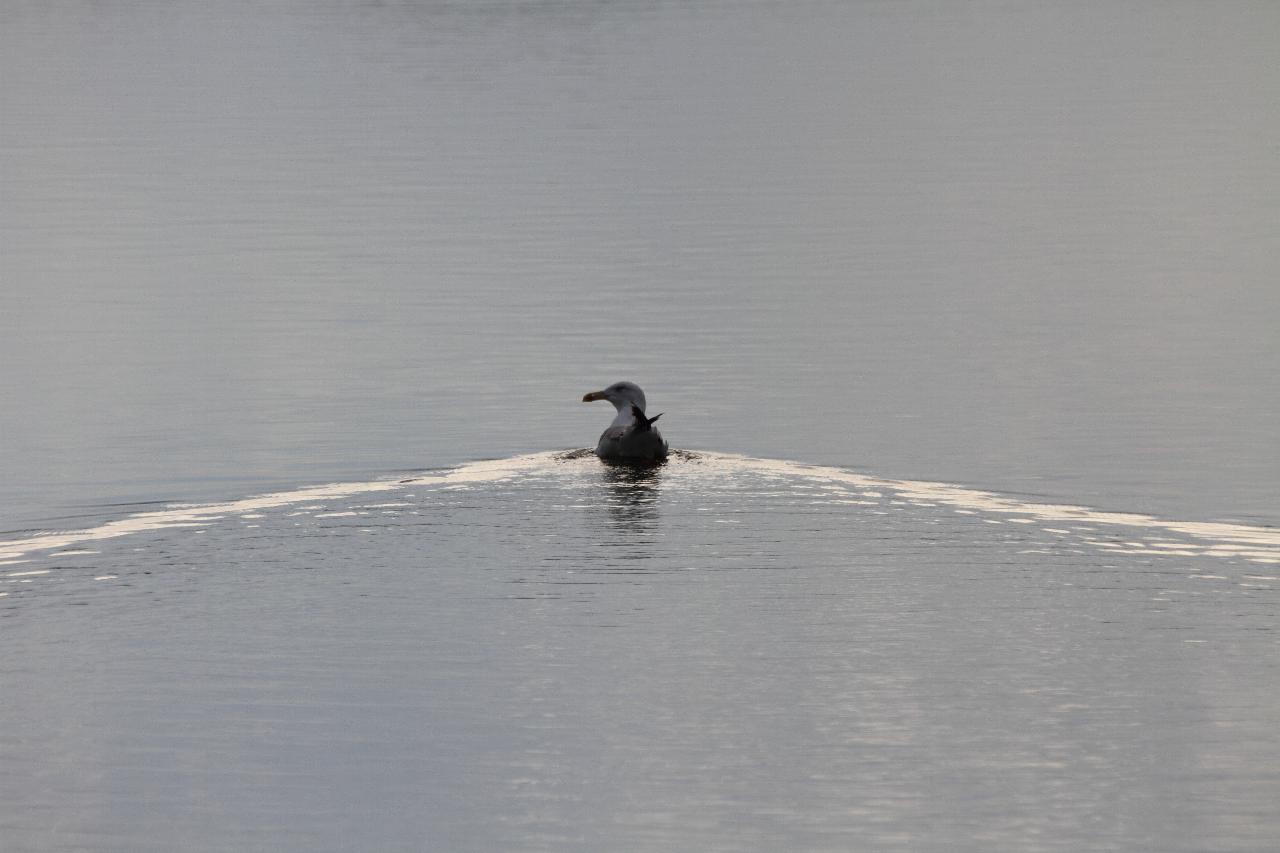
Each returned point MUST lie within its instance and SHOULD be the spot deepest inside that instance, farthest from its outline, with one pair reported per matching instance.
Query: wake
(1146, 534)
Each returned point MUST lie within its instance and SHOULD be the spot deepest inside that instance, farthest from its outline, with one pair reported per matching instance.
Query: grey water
(1028, 250)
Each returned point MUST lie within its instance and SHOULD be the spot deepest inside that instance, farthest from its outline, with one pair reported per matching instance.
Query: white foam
(1220, 539)
(1214, 539)
(198, 515)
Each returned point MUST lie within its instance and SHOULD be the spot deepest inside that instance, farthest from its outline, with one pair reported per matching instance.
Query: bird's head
(621, 394)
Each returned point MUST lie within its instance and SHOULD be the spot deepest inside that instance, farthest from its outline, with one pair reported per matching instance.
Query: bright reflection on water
(547, 653)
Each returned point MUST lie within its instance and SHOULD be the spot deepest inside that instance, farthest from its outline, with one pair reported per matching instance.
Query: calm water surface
(1028, 249)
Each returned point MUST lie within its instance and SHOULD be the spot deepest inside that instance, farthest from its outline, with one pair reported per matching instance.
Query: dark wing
(642, 423)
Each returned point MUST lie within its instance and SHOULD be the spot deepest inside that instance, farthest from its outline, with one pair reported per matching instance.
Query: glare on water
(547, 652)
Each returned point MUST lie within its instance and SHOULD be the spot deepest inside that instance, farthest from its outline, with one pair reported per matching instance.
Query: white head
(622, 394)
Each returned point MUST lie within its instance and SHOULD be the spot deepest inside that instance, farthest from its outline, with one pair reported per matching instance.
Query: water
(1026, 250)
(726, 653)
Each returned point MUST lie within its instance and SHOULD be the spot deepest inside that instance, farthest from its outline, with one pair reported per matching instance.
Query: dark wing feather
(643, 423)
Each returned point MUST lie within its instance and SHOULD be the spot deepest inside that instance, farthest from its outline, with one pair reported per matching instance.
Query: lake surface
(965, 315)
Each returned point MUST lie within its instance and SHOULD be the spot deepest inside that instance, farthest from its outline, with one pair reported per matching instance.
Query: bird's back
(630, 442)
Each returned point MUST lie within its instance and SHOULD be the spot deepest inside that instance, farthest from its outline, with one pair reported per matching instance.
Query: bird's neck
(624, 416)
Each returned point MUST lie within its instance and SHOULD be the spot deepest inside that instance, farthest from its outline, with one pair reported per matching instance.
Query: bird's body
(631, 437)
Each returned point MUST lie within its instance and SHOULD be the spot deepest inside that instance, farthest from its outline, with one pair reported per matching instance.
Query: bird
(631, 437)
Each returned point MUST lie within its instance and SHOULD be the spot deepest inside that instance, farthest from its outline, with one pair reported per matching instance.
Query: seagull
(631, 437)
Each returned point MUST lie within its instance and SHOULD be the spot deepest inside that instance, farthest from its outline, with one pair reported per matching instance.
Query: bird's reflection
(632, 497)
